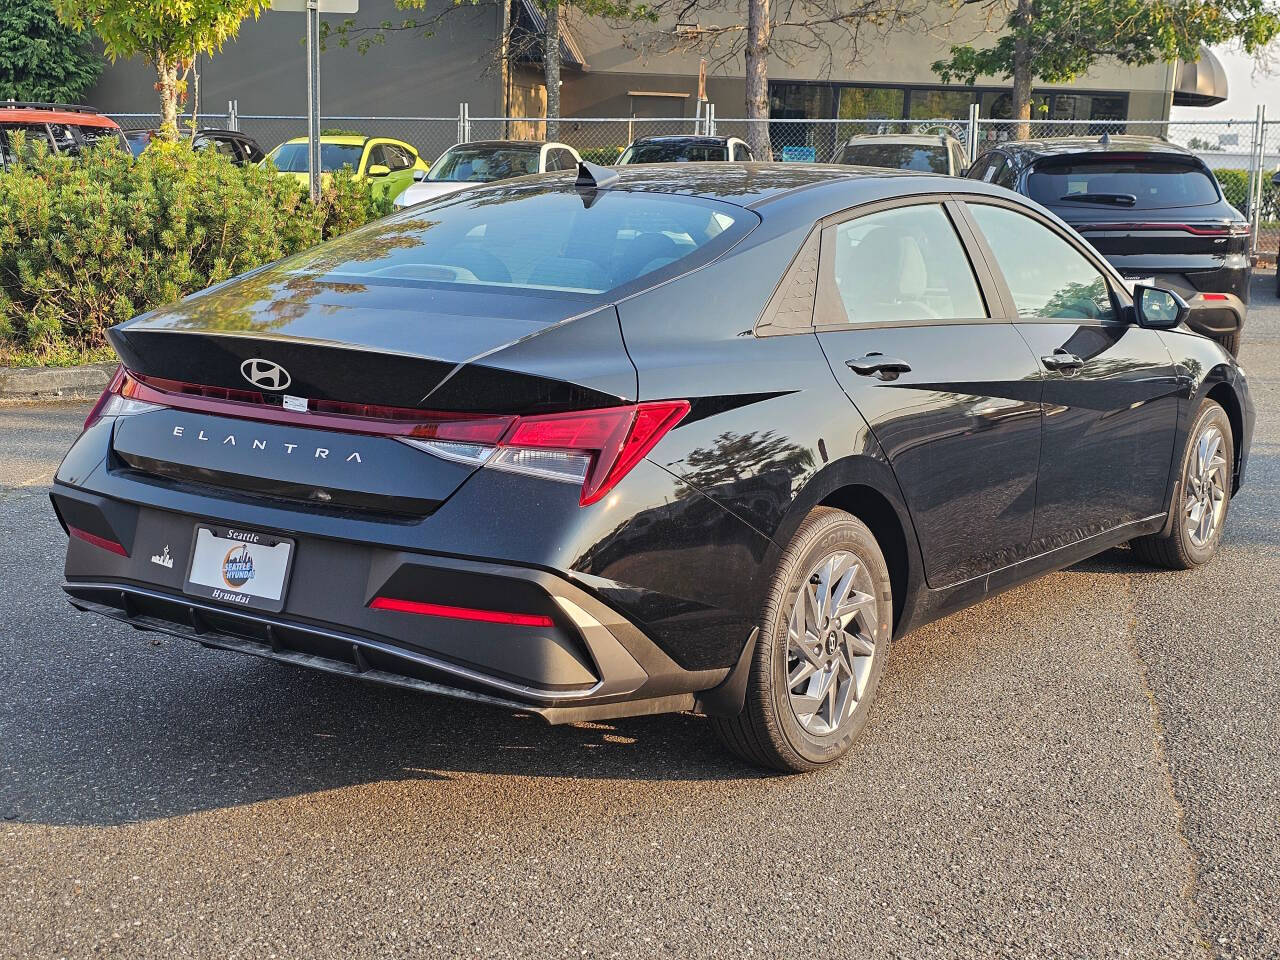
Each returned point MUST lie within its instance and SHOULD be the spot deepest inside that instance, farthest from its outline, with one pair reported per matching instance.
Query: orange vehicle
(65, 128)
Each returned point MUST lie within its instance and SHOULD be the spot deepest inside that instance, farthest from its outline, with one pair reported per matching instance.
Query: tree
(1058, 40)
(40, 57)
(513, 44)
(169, 34)
(821, 31)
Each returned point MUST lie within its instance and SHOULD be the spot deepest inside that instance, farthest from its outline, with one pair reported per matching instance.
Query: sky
(1245, 90)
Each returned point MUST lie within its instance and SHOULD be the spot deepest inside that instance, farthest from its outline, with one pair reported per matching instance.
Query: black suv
(239, 147)
(1152, 208)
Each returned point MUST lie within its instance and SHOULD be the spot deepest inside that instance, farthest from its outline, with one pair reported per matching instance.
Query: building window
(940, 104)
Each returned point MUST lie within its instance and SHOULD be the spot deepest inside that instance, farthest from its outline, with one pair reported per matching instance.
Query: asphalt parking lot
(1085, 766)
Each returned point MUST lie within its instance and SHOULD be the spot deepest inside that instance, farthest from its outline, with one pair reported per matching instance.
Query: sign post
(313, 9)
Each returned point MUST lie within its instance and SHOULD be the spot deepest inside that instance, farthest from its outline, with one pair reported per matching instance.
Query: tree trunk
(167, 85)
(759, 37)
(1022, 71)
(551, 68)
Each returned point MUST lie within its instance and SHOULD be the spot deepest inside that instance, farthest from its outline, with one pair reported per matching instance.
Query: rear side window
(1138, 183)
(92, 136)
(673, 153)
(539, 239)
(1047, 276)
(897, 156)
(901, 264)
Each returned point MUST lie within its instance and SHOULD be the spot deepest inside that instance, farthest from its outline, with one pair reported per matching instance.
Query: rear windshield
(673, 153)
(472, 165)
(536, 239)
(292, 157)
(896, 156)
(1136, 184)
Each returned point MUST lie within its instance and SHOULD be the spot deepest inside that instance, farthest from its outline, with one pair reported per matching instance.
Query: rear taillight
(119, 400)
(1196, 229)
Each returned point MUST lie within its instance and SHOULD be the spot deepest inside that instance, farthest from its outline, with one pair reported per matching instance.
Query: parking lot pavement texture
(1084, 766)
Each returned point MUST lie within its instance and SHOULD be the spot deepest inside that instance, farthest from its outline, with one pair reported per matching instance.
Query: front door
(950, 389)
(1110, 387)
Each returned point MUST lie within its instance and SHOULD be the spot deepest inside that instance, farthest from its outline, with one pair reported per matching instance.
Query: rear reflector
(1213, 296)
(460, 613)
(97, 541)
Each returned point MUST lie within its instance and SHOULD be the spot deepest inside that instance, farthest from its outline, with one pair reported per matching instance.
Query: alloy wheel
(1205, 501)
(831, 642)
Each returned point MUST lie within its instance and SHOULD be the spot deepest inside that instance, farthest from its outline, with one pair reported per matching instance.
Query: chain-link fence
(1243, 153)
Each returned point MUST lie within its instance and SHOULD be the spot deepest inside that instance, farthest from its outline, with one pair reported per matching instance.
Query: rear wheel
(1201, 499)
(823, 639)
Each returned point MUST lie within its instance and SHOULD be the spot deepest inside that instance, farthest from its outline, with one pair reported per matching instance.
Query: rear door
(1110, 388)
(948, 386)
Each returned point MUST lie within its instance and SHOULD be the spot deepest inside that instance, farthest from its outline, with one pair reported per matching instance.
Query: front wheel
(823, 639)
(1200, 500)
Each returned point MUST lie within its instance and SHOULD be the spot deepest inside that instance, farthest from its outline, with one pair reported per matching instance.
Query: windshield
(484, 164)
(1147, 183)
(292, 157)
(533, 239)
(897, 156)
(673, 153)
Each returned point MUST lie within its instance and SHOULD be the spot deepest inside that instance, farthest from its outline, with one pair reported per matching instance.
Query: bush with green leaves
(89, 241)
(1235, 187)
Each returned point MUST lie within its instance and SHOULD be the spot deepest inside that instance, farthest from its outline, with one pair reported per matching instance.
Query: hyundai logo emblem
(265, 374)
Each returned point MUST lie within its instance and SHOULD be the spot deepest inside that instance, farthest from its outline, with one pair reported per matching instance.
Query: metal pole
(233, 114)
(313, 98)
(1255, 204)
(972, 145)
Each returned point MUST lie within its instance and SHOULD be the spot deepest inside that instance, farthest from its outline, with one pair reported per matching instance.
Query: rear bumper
(591, 663)
(1218, 298)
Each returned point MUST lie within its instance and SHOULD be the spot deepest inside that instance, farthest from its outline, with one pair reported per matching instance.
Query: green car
(387, 164)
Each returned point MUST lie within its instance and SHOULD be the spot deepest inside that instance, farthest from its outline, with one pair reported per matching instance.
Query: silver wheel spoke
(1205, 496)
(831, 640)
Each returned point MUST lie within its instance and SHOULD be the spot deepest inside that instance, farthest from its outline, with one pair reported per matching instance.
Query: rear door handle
(1061, 360)
(878, 365)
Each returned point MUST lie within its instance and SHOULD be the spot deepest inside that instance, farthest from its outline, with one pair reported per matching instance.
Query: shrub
(90, 241)
(605, 156)
(1235, 187)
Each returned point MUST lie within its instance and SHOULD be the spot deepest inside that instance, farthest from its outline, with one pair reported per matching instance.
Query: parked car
(387, 165)
(1152, 208)
(239, 147)
(64, 127)
(934, 153)
(695, 149)
(601, 444)
(1275, 182)
(484, 161)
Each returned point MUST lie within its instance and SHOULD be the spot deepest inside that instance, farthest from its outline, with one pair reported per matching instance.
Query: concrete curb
(54, 383)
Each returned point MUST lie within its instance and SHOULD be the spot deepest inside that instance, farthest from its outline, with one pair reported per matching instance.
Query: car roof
(20, 112)
(506, 144)
(929, 139)
(754, 184)
(1058, 146)
(349, 140)
(690, 139)
(200, 132)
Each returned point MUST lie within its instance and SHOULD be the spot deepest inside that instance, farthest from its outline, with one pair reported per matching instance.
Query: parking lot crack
(1160, 742)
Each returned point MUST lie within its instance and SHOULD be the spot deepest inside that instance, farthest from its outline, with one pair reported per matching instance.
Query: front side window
(1134, 183)
(1047, 275)
(528, 240)
(897, 265)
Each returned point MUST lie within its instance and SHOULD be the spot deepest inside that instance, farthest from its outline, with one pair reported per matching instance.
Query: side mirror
(1157, 308)
(420, 175)
(378, 170)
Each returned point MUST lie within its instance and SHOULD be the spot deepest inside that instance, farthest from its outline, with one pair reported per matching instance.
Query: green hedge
(1235, 187)
(89, 241)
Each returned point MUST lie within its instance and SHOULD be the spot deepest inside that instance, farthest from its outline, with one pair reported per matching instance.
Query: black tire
(1230, 341)
(768, 732)
(1176, 549)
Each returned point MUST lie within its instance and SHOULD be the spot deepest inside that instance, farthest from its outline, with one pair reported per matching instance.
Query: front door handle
(1062, 360)
(878, 365)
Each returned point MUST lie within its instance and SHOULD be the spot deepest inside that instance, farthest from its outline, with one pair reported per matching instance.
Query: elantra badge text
(265, 374)
(320, 453)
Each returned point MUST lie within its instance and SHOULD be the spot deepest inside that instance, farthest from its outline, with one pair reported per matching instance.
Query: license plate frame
(264, 552)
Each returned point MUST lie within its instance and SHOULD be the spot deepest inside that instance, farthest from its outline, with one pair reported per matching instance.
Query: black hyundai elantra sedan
(662, 438)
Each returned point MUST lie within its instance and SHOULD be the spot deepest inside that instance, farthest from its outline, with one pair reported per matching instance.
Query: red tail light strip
(1226, 230)
(460, 613)
(97, 541)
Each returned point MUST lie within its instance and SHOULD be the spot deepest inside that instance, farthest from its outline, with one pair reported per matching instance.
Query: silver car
(485, 161)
